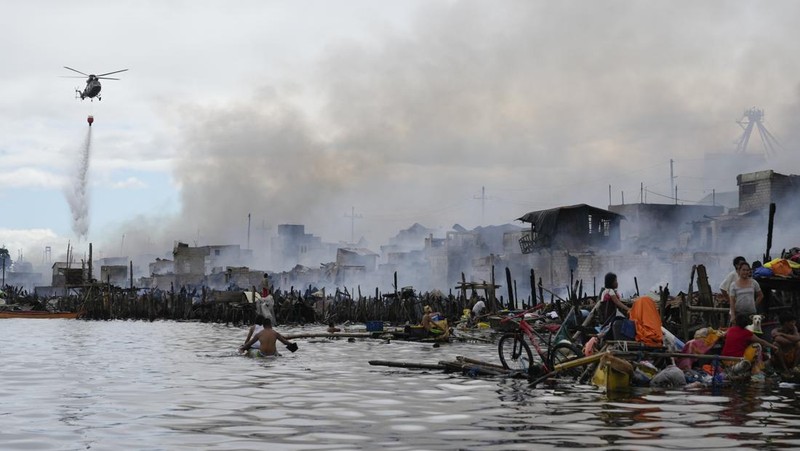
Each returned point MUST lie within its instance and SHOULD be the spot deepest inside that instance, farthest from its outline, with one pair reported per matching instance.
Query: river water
(77, 385)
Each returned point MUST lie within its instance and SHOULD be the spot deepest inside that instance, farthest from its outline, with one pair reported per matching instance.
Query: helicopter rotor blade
(70, 76)
(107, 78)
(109, 73)
(74, 70)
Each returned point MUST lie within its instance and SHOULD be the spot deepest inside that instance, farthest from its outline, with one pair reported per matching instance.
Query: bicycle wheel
(515, 354)
(564, 352)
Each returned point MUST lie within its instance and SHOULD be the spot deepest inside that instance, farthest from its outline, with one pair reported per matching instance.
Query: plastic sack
(779, 266)
(763, 272)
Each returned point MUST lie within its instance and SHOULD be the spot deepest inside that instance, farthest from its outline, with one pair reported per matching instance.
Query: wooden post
(706, 296)
(131, 264)
(89, 280)
(769, 232)
(664, 298)
(533, 288)
(511, 303)
(576, 303)
(685, 306)
(491, 291)
(541, 291)
(464, 288)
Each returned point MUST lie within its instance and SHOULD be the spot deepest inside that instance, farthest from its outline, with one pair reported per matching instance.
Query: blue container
(374, 326)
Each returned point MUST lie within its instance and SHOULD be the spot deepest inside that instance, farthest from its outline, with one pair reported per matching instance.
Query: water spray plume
(77, 196)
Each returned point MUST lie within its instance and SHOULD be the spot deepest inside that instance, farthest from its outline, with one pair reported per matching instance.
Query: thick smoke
(77, 197)
(544, 103)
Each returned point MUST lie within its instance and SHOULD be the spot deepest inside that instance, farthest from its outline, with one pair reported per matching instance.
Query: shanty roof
(545, 220)
(359, 251)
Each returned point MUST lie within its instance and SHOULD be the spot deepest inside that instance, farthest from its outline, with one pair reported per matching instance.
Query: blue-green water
(70, 385)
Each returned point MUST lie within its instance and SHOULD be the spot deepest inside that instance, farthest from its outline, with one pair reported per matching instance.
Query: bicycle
(516, 354)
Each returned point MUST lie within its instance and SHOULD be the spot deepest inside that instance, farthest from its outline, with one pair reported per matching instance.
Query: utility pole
(353, 216)
(672, 179)
(248, 230)
(4, 255)
(482, 198)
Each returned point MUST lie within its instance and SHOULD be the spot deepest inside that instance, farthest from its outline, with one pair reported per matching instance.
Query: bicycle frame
(528, 331)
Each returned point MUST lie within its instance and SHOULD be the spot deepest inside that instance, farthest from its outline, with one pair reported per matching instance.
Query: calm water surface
(70, 385)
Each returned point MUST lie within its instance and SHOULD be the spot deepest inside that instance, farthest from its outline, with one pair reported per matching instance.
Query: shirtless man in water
(267, 339)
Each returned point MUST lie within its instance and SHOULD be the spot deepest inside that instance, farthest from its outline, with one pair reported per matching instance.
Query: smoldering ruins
(647, 245)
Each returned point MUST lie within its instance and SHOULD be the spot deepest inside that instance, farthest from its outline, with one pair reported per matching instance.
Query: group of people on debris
(638, 322)
(745, 297)
(750, 353)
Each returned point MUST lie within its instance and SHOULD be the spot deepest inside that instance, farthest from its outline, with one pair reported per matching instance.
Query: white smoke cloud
(544, 103)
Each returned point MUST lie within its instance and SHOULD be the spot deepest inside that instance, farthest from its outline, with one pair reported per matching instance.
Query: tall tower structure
(753, 119)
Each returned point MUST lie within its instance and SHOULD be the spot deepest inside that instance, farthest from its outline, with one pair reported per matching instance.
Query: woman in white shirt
(745, 293)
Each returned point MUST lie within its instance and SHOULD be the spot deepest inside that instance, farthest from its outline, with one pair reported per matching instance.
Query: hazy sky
(298, 112)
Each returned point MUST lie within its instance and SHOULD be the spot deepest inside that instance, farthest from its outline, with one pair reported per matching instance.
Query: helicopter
(92, 88)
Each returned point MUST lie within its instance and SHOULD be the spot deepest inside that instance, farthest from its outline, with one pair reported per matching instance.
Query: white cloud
(129, 183)
(31, 244)
(32, 177)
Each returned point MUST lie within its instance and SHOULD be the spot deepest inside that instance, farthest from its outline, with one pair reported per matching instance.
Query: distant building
(192, 264)
(576, 227)
(354, 264)
(759, 189)
(66, 274)
(738, 227)
(116, 275)
(294, 246)
(728, 199)
(659, 226)
(161, 266)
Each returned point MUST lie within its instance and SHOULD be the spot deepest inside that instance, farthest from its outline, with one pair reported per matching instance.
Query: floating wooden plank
(335, 335)
(479, 362)
(424, 366)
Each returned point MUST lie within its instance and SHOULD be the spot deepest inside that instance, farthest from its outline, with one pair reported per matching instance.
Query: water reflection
(165, 385)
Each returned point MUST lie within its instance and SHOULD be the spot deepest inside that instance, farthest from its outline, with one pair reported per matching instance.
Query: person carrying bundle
(267, 339)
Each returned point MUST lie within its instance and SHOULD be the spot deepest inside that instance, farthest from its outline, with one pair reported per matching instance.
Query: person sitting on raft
(478, 308)
(788, 340)
(267, 339)
(610, 302)
(428, 318)
(434, 322)
(740, 342)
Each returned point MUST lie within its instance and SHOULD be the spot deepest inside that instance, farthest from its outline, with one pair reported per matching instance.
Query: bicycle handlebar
(517, 317)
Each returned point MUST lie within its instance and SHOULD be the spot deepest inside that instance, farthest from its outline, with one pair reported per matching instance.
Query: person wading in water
(267, 339)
